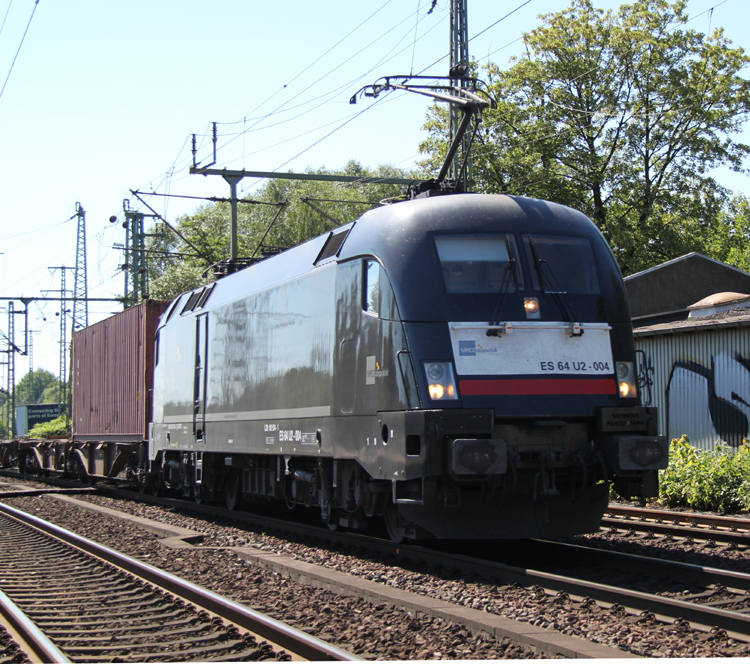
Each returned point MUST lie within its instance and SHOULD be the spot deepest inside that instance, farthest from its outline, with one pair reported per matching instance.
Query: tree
(35, 386)
(622, 115)
(207, 229)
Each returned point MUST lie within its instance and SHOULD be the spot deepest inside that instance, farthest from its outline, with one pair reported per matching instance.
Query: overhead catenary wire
(23, 38)
(372, 105)
(309, 147)
(35, 230)
(421, 72)
(168, 176)
(186, 159)
(327, 97)
(5, 18)
(323, 55)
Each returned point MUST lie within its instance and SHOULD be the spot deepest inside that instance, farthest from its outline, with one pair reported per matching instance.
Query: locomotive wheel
(396, 531)
(231, 491)
(333, 524)
(155, 484)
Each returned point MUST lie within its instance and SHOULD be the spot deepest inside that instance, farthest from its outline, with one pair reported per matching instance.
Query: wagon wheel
(78, 470)
(231, 491)
(394, 525)
(32, 467)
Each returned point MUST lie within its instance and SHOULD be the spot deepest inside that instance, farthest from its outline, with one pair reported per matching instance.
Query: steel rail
(671, 608)
(705, 616)
(691, 518)
(680, 524)
(677, 531)
(283, 635)
(33, 638)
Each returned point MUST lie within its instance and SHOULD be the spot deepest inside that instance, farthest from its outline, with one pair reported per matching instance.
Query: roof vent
(719, 303)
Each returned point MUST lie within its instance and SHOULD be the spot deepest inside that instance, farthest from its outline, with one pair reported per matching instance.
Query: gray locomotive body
(462, 365)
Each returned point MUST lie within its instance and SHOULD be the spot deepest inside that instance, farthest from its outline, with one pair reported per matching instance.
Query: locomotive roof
(399, 236)
(393, 229)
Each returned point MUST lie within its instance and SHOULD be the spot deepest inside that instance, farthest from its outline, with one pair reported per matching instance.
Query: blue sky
(104, 96)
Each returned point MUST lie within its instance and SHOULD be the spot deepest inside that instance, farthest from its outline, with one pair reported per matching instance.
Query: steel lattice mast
(63, 314)
(11, 423)
(136, 275)
(459, 64)
(80, 285)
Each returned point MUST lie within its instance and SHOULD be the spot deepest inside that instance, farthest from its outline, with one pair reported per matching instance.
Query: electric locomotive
(459, 365)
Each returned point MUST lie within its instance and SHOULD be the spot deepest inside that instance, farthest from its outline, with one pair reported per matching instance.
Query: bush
(57, 427)
(718, 480)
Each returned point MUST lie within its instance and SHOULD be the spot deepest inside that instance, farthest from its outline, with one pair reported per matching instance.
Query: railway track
(707, 527)
(716, 602)
(23, 641)
(95, 605)
(709, 598)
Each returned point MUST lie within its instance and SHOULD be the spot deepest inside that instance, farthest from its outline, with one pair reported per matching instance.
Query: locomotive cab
(520, 345)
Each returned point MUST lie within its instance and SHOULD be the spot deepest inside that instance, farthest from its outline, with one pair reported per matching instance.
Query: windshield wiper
(544, 270)
(510, 273)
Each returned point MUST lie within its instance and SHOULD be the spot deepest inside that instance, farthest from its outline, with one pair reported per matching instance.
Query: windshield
(563, 265)
(477, 263)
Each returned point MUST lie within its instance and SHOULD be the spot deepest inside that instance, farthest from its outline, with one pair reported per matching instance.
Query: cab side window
(372, 287)
(378, 299)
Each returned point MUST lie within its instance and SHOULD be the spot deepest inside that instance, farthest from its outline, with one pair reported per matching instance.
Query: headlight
(436, 391)
(531, 306)
(626, 380)
(440, 382)
(435, 372)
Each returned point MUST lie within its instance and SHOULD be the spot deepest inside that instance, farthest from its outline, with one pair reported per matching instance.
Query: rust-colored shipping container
(113, 375)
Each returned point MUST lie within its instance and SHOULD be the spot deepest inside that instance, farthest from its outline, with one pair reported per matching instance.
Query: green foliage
(41, 386)
(51, 393)
(34, 386)
(56, 427)
(207, 229)
(717, 481)
(622, 115)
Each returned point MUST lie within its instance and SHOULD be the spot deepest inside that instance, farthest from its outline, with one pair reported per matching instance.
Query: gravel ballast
(224, 572)
(373, 631)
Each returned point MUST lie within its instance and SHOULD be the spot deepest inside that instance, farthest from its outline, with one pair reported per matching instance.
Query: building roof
(663, 293)
(737, 317)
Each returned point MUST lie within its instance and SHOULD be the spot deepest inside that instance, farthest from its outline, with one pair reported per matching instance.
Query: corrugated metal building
(697, 372)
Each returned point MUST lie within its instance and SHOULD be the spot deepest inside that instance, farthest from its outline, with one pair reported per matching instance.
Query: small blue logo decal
(467, 348)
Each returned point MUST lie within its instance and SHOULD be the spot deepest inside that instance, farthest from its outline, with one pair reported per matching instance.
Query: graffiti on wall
(645, 378)
(709, 402)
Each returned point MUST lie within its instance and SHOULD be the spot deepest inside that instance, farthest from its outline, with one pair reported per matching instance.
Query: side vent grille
(198, 299)
(332, 246)
(190, 304)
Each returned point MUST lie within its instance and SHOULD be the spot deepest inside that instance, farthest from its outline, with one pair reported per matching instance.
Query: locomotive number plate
(531, 348)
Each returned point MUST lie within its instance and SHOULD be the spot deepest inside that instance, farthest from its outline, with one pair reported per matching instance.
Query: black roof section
(662, 294)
